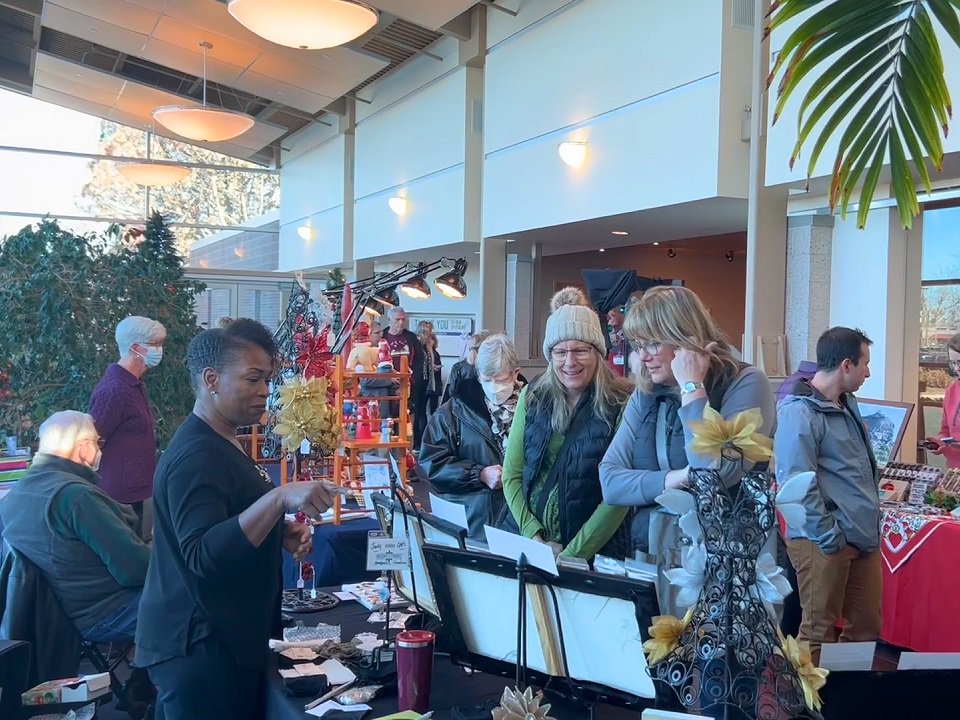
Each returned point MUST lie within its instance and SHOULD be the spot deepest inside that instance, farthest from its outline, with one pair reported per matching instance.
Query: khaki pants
(846, 585)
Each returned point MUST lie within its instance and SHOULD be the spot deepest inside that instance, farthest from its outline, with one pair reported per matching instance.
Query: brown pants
(847, 584)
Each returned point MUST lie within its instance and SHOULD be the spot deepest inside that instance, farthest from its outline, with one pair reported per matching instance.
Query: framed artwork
(886, 422)
(400, 520)
(597, 622)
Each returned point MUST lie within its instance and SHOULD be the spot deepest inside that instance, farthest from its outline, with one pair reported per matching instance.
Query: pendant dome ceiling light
(204, 124)
(305, 24)
(151, 173)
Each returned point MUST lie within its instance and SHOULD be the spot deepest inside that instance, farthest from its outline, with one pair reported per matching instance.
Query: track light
(671, 253)
(416, 287)
(729, 256)
(371, 306)
(451, 283)
(387, 297)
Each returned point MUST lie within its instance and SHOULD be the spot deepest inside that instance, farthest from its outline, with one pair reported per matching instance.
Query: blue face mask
(153, 355)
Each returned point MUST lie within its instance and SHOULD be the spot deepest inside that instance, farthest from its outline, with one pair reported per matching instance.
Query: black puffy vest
(586, 441)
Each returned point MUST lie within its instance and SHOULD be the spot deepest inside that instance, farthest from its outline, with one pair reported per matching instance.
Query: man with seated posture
(82, 541)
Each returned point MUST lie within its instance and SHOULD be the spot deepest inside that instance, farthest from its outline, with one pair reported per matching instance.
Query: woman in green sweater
(563, 424)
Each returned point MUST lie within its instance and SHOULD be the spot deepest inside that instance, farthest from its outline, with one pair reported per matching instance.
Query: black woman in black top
(212, 593)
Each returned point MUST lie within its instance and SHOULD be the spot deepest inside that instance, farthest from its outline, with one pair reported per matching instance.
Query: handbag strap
(661, 436)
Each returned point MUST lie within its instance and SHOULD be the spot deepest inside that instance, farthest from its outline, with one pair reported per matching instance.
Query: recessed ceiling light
(602, 250)
(619, 232)
(656, 243)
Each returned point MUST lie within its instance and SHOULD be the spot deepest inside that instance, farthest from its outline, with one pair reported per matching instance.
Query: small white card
(651, 714)
(848, 656)
(929, 661)
(337, 673)
(345, 595)
(453, 513)
(325, 707)
(305, 447)
(538, 554)
(387, 553)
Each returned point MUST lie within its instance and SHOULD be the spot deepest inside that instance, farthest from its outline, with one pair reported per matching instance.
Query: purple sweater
(124, 420)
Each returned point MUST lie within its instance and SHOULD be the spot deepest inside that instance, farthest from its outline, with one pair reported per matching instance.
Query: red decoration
(306, 570)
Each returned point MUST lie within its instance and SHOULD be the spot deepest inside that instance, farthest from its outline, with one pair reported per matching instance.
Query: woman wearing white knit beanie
(563, 424)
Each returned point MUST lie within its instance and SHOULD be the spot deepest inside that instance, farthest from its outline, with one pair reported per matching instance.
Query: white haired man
(124, 420)
(81, 540)
(403, 342)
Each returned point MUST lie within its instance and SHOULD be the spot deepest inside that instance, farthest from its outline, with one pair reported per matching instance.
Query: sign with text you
(444, 324)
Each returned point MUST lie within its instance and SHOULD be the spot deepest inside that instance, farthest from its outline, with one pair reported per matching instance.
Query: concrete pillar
(493, 285)
(809, 253)
(766, 215)
(519, 304)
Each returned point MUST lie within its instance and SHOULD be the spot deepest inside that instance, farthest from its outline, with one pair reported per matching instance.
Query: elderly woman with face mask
(124, 420)
(564, 422)
(462, 450)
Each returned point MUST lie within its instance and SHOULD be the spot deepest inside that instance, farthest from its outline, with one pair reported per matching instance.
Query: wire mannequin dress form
(729, 661)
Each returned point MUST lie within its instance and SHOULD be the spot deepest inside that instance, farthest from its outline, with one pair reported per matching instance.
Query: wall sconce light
(729, 255)
(671, 253)
(305, 231)
(572, 152)
(398, 205)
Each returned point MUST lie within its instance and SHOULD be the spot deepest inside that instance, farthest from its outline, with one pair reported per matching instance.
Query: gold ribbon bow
(713, 434)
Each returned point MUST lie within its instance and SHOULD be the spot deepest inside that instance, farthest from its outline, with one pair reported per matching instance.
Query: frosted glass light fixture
(204, 123)
(150, 173)
(572, 153)
(305, 24)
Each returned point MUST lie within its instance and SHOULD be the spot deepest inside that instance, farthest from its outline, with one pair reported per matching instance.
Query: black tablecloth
(451, 685)
(914, 695)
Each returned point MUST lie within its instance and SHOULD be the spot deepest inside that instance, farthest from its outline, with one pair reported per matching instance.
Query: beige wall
(699, 262)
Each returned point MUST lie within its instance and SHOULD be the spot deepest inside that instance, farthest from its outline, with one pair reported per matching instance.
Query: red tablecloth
(921, 584)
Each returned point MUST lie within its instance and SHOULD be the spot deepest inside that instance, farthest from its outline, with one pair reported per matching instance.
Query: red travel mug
(414, 670)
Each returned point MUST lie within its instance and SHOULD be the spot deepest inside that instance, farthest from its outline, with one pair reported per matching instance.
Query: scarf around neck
(501, 416)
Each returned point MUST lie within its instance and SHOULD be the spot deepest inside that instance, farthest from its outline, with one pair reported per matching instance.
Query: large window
(58, 163)
(940, 309)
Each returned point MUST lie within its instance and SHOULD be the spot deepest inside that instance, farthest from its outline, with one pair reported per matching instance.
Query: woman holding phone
(945, 442)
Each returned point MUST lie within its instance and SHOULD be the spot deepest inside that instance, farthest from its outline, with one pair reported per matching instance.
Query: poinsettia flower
(690, 575)
(812, 678)
(665, 636)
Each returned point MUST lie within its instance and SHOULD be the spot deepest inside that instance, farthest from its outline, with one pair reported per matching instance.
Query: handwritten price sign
(387, 553)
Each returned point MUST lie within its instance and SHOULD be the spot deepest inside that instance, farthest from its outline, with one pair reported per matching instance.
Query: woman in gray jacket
(685, 363)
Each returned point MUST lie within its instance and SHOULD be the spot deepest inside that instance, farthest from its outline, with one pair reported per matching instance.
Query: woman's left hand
(297, 539)
(691, 365)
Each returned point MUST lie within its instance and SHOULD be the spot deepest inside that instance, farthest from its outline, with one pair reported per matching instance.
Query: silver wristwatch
(690, 387)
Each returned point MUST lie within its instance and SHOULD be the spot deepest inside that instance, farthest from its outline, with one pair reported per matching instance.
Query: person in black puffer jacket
(462, 449)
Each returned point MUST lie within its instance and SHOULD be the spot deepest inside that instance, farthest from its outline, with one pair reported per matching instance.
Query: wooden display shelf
(349, 457)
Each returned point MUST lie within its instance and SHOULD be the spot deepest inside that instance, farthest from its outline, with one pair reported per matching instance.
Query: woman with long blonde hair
(686, 363)
(564, 422)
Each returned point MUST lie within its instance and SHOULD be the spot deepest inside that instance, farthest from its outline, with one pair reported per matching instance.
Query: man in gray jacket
(837, 552)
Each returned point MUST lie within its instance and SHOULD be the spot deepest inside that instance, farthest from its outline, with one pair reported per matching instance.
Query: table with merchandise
(919, 544)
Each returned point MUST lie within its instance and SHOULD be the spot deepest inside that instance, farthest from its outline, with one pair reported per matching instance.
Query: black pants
(419, 400)
(207, 683)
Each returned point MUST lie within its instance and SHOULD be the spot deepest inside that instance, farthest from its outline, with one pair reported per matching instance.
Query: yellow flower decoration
(304, 414)
(713, 434)
(812, 678)
(665, 636)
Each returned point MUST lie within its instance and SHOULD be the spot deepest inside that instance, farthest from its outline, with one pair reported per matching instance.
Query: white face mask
(153, 356)
(497, 392)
